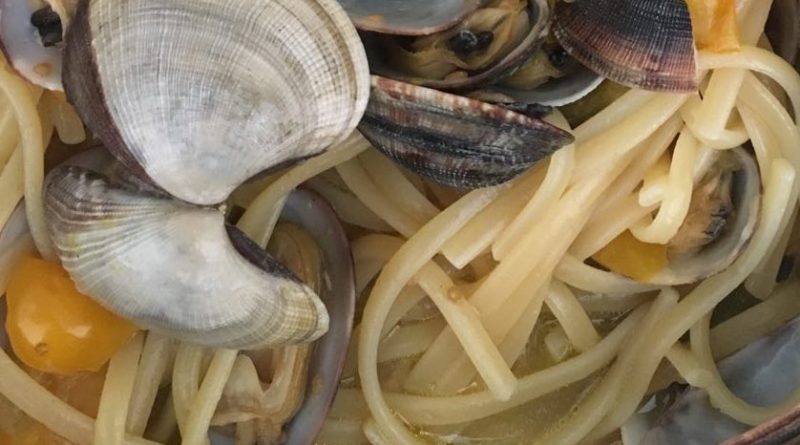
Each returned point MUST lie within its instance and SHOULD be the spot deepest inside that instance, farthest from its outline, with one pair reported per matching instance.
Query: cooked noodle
(459, 299)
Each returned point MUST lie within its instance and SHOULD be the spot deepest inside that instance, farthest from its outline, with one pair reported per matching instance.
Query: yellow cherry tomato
(628, 256)
(54, 328)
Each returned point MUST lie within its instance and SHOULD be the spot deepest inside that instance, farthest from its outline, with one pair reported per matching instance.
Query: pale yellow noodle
(262, 214)
(30, 129)
(555, 182)
(245, 433)
(419, 249)
(480, 232)
(67, 123)
(756, 322)
(112, 413)
(445, 370)
(407, 341)
(205, 402)
(570, 314)
(761, 283)
(758, 60)
(359, 182)
(762, 139)
(608, 225)
(779, 194)
(630, 103)
(761, 100)
(11, 183)
(655, 183)
(394, 184)
(156, 355)
(710, 119)
(608, 147)
(465, 323)
(631, 177)
(720, 395)
(602, 398)
(422, 410)
(38, 403)
(678, 196)
(186, 376)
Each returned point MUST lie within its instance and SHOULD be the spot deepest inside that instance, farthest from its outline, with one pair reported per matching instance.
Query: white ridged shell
(204, 94)
(171, 267)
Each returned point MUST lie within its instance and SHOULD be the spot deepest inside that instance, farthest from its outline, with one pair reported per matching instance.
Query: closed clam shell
(455, 140)
(643, 44)
(198, 96)
(175, 268)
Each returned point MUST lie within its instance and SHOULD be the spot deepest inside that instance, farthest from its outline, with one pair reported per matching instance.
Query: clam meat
(300, 381)
(722, 217)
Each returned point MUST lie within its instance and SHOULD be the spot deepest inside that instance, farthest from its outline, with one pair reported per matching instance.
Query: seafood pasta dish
(399, 222)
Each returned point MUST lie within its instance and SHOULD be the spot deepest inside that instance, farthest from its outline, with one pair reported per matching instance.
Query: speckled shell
(201, 95)
(408, 17)
(645, 44)
(455, 140)
(174, 267)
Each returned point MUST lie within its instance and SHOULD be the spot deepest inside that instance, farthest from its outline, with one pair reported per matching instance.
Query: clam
(174, 267)
(404, 17)
(31, 36)
(502, 47)
(688, 417)
(310, 240)
(722, 217)
(644, 44)
(454, 140)
(197, 97)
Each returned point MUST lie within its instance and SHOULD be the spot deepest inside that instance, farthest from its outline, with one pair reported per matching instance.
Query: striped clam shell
(199, 96)
(173, 267)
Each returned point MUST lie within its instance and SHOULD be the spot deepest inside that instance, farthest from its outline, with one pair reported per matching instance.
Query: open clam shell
(763, 373)
(538, 17)
(199, 96)
(309, 211)
(454, 140)
(729, 238)
(644, 44)
(173, 267)
(404, 17)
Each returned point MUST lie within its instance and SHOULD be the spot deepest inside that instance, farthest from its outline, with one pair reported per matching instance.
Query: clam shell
(746, 202)
(198, 96)
(309, 211)
(175, 268)
(539, 11)
(454, 140)
(408, 17)
(22, 46)
(643, 44)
